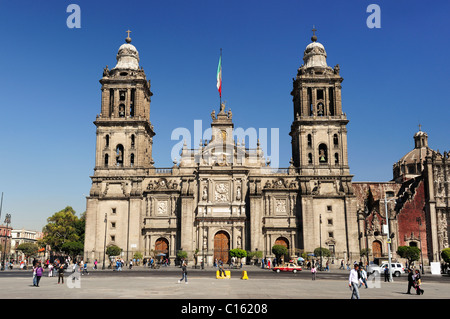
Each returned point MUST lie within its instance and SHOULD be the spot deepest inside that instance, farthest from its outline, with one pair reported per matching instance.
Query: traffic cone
(244, 275)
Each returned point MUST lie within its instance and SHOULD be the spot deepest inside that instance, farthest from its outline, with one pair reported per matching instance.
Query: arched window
(335, 140)
(336, 158)
(132, 159)
(107, 140)
(320, 109)
(106, 159)
(132, 141)
(310, 160)
(119, 155)
(122, 110)
(323, 154)
(309, 140)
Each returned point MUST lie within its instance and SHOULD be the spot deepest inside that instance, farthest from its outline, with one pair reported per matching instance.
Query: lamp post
(388, 234)
(320, 239)
(7, 221)
(104, 245)
(419, 222)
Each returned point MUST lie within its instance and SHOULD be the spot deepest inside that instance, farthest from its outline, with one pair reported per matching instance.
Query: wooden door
(162, 247)
(376, 249)
(221, 246)
(283, 242)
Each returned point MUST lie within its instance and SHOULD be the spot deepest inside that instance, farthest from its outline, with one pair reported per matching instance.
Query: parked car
(396, 269)
(287, 267)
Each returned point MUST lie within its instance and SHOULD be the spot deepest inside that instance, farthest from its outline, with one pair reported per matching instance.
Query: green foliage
(409, 253)
(445, 254)
(73, 248)
(364, 252)
(279, 250)
(138, 255)
(113, 250)
(64, 226)
(254, 254)
(325, 252)
(238, 253)
(181, 254)
(28, 249)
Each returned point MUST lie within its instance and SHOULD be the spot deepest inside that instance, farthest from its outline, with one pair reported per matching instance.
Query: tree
(325, 252)
(138, 255)
(73, 248)
(238, 253)
(113, 250)
(28, 249)
(64, 226)
(445, 254)
(409, 253)
(279, 250)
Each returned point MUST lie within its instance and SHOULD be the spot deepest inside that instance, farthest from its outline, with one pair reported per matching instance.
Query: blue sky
(395, 77)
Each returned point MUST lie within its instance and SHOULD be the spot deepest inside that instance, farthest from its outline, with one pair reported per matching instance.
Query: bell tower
(319, 153)
(319, 133)
(124, 132)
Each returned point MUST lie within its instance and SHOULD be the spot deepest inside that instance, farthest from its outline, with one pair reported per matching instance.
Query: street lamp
(7, 221)
(389, 234)
(104, 245)
(320, 244)
(419, 222)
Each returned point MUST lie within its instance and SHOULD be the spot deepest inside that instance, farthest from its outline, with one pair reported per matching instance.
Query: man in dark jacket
(410, 281)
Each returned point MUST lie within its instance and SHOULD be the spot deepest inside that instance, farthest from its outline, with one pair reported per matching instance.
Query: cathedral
(223, 195)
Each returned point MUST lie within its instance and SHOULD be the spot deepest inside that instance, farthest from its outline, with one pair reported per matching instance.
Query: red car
(288, 267)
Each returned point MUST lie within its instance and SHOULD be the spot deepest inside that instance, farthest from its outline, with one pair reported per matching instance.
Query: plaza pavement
(138, 285)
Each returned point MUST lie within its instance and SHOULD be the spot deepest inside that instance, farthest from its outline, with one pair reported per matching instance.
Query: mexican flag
(219, 76)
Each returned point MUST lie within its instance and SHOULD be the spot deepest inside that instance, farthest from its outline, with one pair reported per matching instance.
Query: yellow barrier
(244, 275)
(227, 275)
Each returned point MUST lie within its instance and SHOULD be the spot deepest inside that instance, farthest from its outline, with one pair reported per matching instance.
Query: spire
(314, 37)
(128, 39)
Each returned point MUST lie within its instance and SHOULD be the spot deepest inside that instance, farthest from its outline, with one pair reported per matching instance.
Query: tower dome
(315, 54)
(127, 56)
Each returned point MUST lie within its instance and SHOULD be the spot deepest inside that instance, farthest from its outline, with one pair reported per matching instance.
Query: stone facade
(223, 195)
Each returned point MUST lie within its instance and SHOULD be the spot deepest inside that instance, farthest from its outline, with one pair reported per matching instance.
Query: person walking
(418, 282)
(363, 277)
(410, 281)
(60, 268)
(34, 275)
(313, 272)
(386, 274)
(39, 272)
(183, 273)
(95, 264)
(353, 281)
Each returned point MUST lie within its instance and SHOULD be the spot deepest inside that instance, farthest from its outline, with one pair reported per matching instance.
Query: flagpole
(220, 93)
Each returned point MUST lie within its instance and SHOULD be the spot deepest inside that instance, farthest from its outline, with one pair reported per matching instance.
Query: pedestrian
(410, 281)
(60, 268)
(85, 270)
(363, 277)
(34, 275)
(386, 274)
(221, 271)
(50, 270)
(39, 272)
(418, 282)
(183, 273)
(313, 272)
(131, 263)
(353, 281)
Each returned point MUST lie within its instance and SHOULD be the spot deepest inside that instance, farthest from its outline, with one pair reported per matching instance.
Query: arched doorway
(283, 242)
(221, 246)
(161, 247)
(376, 249)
